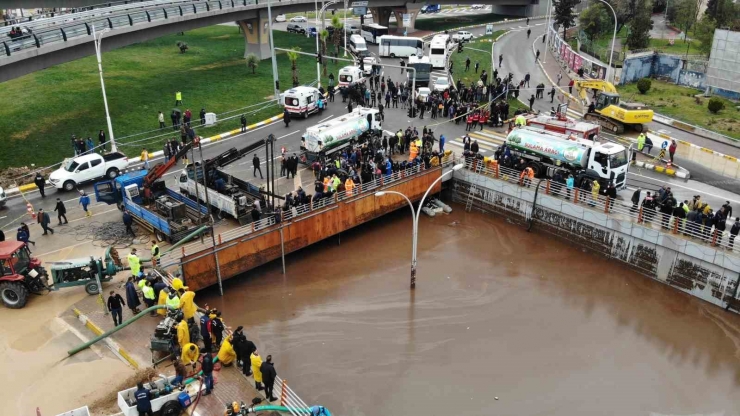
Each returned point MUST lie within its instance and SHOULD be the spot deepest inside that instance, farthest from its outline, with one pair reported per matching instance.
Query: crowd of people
(82, 146)
(15, 32)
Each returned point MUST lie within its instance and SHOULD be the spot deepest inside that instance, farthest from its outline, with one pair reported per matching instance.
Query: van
(358, 46)
(350, 75)
(352, 29)
(295, 28)
(301, 100)
(431, 8)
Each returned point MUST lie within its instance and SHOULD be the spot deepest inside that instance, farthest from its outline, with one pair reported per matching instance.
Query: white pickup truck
(87, 168)
(462, 36)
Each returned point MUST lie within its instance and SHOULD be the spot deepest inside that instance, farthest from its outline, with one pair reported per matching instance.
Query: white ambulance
(301, 100)
(350, 75)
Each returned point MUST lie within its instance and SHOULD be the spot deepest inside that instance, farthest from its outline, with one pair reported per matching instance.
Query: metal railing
(71, 26)
(638, 214)
(304, 210)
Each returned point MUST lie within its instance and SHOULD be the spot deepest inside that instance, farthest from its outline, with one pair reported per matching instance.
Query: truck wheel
(160, 236)
(120, 206)
(112, 173)
(639, 128)
(305, 114)
(14, 295)
(91, 288)
(69, 186)
(538, 169)
(393, 55)
(171, 408)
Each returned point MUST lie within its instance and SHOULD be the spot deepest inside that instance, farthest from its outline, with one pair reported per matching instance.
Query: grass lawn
(49, 106)
(678, 47)
(444, 23)
(484, 58)
(678, 102)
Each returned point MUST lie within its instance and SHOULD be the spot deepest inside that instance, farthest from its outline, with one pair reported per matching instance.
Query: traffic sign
(359, 4)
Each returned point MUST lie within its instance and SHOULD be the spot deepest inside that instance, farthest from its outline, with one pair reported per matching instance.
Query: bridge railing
(64, 28)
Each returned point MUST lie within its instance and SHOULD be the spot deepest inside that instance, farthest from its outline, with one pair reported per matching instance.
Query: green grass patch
(678, 47)
(46, 107)
(484, 58)
(445, 23)
(678, 102)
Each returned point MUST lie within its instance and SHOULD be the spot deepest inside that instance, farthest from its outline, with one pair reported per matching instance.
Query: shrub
(643, 85)
(715, 105)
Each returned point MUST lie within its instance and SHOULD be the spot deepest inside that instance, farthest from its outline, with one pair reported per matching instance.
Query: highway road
(714, 190)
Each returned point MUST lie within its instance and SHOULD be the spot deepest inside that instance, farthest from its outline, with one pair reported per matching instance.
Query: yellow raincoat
(187, 304)
(183, 333)
(256, 363)
(226, 355)
(162, 301)
(190, 356)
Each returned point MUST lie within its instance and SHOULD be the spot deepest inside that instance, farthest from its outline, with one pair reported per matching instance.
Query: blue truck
(431, 8)
(164, 212)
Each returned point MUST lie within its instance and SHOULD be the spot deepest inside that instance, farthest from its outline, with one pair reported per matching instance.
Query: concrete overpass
(66, 37)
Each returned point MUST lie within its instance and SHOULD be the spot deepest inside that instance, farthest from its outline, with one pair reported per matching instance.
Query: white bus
(372, 32)
(423, 70)
(438, 53)
(441, 38)
(394, 46)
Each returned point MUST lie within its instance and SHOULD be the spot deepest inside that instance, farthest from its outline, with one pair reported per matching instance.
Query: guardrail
(53, 31)
(638, 214)
(304, 210)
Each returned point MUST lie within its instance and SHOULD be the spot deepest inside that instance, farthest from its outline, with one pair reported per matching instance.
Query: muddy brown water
(498, 312)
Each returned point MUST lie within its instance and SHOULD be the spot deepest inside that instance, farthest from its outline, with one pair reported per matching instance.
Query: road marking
(1, 218)
(327, 118)
(288, 134)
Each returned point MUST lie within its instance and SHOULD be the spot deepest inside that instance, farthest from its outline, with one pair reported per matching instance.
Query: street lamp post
(415, 214)
(614, 38)
(345, 28)
(274, 60)
(318, 50)
(97, 40)
(547, 27)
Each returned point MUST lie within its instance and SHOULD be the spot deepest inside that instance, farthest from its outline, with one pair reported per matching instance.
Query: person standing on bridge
(256, 164)
(733, 232)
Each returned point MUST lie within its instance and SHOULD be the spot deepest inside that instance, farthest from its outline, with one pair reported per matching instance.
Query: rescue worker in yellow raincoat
(183, 333)
(187, 304)
(162, 300)
(227, 355)
(256, 361)
(190, 355)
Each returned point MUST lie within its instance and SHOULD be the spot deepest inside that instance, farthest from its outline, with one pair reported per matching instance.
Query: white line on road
(327, 118)
(288, 134)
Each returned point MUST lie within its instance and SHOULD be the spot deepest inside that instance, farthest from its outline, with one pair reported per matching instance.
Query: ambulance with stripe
(301, 100)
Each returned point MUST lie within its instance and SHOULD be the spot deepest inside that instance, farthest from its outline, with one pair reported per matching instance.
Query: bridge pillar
(411, 8)
(381, 15)
(256, 36)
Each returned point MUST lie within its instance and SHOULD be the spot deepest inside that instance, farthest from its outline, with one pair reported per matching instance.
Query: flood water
(497, 312)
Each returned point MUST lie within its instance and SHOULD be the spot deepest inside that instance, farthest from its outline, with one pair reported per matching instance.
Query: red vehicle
(564, 125)
(21, 274)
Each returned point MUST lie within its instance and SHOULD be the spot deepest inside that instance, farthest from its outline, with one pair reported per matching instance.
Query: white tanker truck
(333, 135)
(548, 152)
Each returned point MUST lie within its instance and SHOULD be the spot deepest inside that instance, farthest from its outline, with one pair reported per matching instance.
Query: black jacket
(735, 228)
(39, 181)
(268, 373)
(115, 302)
(248, 348)
(60, 208)
(207, 365)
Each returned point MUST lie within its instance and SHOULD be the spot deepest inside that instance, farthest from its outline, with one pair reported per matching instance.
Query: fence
(568, 58)
(637, 214)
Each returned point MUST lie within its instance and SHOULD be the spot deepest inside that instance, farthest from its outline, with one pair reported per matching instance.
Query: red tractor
(21, 274)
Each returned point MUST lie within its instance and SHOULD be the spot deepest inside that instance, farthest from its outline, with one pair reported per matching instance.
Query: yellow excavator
(613, 115)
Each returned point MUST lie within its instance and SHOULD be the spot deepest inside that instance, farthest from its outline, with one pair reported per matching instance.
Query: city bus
(394, 46)
(423, 69)
(372, 32)
(438, 53)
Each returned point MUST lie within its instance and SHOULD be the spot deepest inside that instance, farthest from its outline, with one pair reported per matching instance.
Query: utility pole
(274, 60)
(97, 40)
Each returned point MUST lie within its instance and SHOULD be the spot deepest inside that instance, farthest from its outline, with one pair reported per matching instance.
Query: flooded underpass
(546, 328)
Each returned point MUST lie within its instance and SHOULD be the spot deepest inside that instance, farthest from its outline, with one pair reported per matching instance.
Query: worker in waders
(155, 254)
(134, 263)
(143, 400)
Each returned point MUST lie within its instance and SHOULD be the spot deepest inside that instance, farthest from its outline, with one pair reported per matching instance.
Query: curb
(661, 169)
(483, 25)
(31, 186)
(690, 128)
(117, 350)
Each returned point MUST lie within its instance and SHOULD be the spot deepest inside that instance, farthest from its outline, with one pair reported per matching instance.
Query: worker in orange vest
(349, 185)
(525, 178)
(413, 151)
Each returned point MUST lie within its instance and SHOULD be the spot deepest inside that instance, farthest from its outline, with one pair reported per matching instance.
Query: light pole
(614, 38)
(97, 40)
(274, 60)
(345, 28)
(547, 27)
(415, 214)
(318, 51)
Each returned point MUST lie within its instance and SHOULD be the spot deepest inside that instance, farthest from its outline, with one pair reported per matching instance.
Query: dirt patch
(220, 37)
(108, 404)
(218, 65)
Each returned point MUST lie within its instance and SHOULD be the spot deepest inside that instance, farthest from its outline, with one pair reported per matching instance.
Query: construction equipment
(21, 274)
(561, 123)
(87, 271)
(611, 113)
(226, 193)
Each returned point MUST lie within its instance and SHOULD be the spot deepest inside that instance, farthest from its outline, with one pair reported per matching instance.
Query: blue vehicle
(431, 8)
(164, 212)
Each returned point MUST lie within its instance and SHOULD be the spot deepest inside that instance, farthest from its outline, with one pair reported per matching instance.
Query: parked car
(477, 6)
(280, 18)
(462, 36)
(3, 197)
(311, 32)
(87, 168)
(431, 8)
(423, 93)
(299, 19)
(441, 84)
(352, 29)
(292, 27)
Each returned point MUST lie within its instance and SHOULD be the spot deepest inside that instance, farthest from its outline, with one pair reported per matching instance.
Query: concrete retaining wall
(658, 65)
(705, 272)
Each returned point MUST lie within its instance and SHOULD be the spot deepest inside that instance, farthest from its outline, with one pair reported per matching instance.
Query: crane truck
(226, 193)
(162, 211)
(611, 113)
(334, 135)
(548, 152)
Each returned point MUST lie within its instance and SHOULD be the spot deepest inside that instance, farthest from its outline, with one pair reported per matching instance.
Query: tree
(625, 10)
(293, 57)
(715, 105)
(252, 62)
(338, 34)
(686, 15)
(704, 33)
(593, 21)
(323, 36)
(643, 85)
(564, 15)
(639, 35)
(723, 12)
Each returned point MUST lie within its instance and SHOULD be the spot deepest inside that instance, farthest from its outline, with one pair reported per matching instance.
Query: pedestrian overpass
(62, 38)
